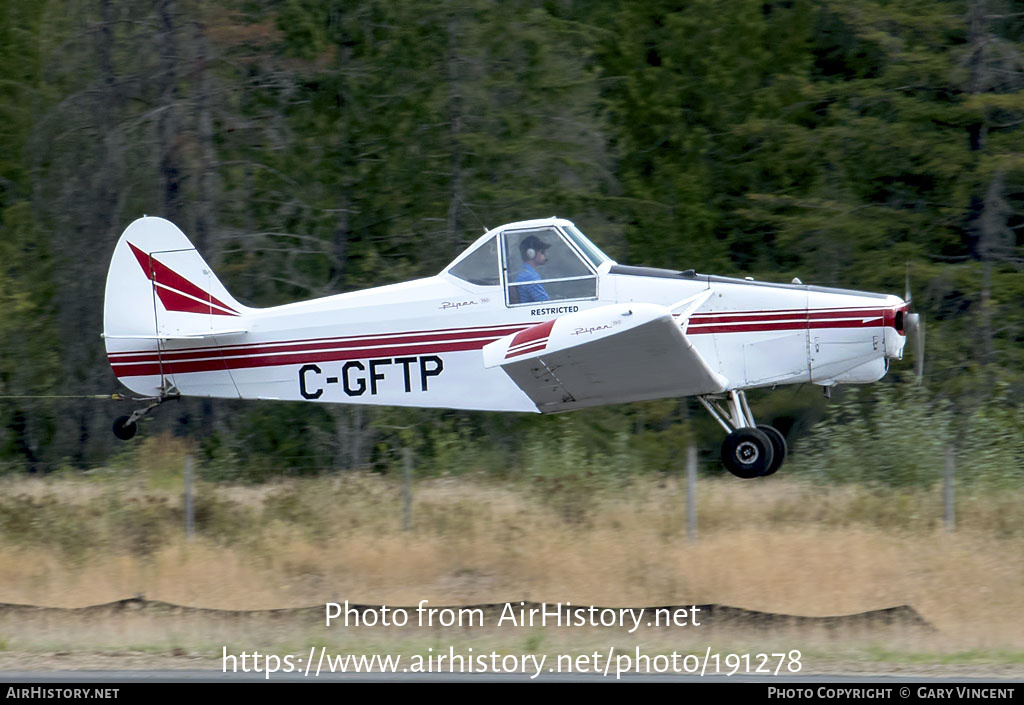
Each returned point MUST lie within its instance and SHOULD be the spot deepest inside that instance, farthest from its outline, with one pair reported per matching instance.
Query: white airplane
(532, 317)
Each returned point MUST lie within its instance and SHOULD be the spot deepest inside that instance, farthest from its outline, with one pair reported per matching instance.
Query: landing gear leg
(748, 450)
(125, 427)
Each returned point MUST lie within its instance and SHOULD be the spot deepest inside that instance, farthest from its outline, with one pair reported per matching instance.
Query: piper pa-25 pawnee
(533, 317)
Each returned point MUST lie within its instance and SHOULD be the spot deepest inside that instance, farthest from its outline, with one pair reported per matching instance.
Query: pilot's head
(533, 249)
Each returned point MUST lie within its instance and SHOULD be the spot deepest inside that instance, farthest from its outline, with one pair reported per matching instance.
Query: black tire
(747, 453)
(124, 430)
(779, 448)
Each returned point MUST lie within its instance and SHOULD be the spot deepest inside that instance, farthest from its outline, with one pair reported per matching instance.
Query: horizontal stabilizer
(194, 336)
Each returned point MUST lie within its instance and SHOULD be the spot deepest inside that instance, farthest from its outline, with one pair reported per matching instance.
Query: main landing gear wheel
(125, 428)
(778, 447)
(748, 452)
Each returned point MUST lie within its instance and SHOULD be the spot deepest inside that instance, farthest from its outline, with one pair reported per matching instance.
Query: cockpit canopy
(537, 260)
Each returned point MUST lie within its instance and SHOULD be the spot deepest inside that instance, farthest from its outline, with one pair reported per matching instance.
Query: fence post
(948, 488)
(407, 491)
(691, 493)
(189, 506)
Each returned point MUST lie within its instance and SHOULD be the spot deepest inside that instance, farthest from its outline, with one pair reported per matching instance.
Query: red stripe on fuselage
(303, 351)
(320, 345)
(216, 363)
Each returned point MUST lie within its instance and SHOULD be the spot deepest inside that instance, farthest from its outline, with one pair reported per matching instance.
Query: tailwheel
(748, 452)
(778, 447)
(125, 428)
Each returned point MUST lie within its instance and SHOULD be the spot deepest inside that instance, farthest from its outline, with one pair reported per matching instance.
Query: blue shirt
(530, 292)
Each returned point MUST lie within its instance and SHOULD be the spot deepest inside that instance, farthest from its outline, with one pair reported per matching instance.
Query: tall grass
(781, 545)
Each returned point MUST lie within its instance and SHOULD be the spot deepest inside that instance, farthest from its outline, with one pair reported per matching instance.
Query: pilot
(535, 253)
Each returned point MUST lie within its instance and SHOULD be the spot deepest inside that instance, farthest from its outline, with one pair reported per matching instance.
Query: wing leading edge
(616, 353)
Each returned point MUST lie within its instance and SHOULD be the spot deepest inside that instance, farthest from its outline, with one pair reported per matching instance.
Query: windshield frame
(584, 245)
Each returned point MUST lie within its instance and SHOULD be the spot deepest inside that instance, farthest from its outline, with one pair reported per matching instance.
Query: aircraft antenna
(473, 212)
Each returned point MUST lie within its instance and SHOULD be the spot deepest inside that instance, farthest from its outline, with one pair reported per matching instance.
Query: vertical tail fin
(159, 289)
(159, 286)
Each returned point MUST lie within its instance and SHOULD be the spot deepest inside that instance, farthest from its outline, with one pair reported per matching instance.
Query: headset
(530, 252)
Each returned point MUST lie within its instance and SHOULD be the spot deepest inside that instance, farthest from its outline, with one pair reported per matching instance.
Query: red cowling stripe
(765, 317)
(731, 322)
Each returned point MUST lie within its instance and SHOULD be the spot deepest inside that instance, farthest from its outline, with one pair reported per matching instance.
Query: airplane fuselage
(419, 343)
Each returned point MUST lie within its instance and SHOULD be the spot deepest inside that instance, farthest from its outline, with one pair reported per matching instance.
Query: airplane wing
(616, 353)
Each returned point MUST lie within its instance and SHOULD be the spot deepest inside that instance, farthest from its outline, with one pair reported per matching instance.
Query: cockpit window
(541, 265)
(480, 266)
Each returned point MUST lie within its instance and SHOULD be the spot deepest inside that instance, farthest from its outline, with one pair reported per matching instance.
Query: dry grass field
(778, 545)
